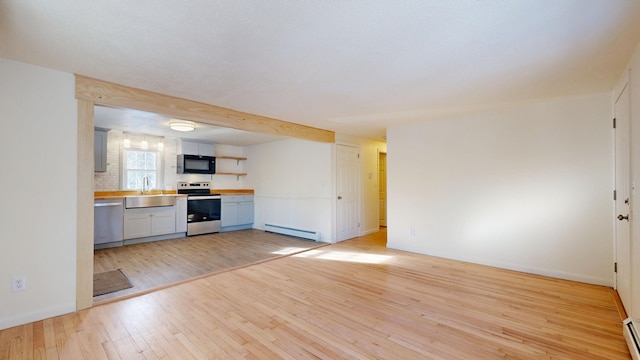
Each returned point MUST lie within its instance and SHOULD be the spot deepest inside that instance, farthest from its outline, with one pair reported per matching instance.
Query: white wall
(528, 188)
(634, 83)
(226, 165)
(38, 153)
(294, 185)
(369, 182)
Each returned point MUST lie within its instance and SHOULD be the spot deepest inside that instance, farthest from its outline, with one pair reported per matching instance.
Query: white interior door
(347, 192)
(623, 241)
(382, 181)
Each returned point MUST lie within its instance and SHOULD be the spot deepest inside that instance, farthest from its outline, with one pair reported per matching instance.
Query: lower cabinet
(236, 212)
(229, 213)
(245, 212)
(151, 221)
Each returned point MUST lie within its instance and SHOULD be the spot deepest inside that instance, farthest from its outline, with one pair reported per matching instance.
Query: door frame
(380, 153)
(619, 89)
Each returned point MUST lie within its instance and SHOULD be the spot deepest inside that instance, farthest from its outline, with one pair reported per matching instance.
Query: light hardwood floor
(156, 264)
(353, 300)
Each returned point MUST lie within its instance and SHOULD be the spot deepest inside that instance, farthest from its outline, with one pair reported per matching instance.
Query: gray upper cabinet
(100, 149)
(197, 148)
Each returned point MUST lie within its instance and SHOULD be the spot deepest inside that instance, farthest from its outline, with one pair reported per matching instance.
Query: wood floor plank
(156, 264)
(352, 300)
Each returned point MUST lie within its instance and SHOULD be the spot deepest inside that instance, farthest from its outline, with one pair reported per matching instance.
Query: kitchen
(294, 179)
(155, 183)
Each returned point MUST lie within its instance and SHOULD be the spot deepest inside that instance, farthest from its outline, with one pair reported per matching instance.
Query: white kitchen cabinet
(236, 212)
(100, 150)
(181, 214)
(137, 223)
(163, 222)
(197, 148)
(245, 212)
(229, 213)
(152, 221)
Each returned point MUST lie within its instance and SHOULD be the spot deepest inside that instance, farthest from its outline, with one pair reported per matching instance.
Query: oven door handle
(204, 197)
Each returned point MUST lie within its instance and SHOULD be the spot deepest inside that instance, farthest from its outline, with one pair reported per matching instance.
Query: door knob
(620, 217)
(339, 197)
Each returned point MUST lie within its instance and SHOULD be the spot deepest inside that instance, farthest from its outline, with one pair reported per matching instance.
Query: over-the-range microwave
(196, 164)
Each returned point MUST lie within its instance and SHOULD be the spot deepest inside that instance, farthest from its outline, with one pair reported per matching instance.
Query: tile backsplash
(111, 179)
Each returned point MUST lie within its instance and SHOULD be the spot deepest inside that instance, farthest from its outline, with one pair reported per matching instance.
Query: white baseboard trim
(370, 231)
(526, 269)
(38, 315)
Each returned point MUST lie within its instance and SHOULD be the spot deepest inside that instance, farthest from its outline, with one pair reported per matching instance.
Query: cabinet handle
(107, 204)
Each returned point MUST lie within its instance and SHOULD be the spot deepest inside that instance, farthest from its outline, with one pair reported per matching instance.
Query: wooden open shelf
(230, 173)
(237, 159)
(237, 175)
(231, 157)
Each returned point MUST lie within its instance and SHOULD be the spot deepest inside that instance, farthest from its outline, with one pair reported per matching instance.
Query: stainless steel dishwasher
(108, 217)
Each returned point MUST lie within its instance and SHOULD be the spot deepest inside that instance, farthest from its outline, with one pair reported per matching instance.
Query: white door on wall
(347, 192)
(623, 240)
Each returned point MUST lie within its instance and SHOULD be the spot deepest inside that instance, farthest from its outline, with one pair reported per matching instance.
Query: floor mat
(110, 281)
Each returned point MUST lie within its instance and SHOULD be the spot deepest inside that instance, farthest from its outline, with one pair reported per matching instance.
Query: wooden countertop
(233, 191)
(120, 194)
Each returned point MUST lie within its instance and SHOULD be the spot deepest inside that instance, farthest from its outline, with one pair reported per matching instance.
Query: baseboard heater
(305, 234)
(632, 336)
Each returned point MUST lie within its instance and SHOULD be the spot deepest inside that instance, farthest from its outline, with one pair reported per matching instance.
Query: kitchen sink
(143, 201)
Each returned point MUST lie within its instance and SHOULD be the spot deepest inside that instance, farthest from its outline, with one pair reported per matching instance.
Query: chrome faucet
(145, 184)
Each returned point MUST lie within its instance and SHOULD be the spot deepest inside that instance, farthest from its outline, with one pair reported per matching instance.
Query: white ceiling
(141, 122)
(350, 66)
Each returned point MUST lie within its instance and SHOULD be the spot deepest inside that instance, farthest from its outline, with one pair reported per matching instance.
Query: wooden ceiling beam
(114, 95)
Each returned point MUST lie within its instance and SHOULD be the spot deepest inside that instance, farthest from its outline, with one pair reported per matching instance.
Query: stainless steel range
(203, 208)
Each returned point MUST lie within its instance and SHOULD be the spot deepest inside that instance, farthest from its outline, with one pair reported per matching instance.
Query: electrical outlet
(18, 283)
(412, 231)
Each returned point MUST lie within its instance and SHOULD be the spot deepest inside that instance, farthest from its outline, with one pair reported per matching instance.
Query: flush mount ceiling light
(182, 126)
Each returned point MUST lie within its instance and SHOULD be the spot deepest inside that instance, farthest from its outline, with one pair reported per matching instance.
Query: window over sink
(142, 160)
